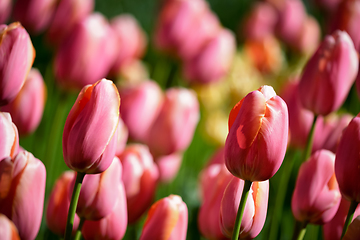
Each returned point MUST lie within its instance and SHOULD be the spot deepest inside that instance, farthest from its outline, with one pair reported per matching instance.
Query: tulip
(174, 127)
(134, 71)
(58, 205)
(353, 232)
(255, 208)
(329, 74)
(89, 139)
(167, 220)
(258, 132)
(28, 106)
(23, 190)
(87, 54)
(17, 57)
(34, 15)
(140, 106)
(140, 179)
(316, 197)
(112, 227)
(9, 138)
(309, 37)
(5, 10)
(8, 230)
(213, 61)
(122, 137)
(169, 166)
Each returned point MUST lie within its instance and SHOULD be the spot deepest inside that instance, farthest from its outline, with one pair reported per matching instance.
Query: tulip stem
(240, 213)
(310, 140)
(349, 217)
(72, 209)
(78, 231)
(299, 231)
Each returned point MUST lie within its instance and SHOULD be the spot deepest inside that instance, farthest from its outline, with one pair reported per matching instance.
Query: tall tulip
(9, 138)
(8, 230)
(23, 188)
(16, 58)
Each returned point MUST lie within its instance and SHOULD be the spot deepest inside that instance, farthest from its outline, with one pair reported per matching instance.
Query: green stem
(310, 139)
(299, 231)
(72, 209)
(349, 217)
(240, 213)
(78, 231)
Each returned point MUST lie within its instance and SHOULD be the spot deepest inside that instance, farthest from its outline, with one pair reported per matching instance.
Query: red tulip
(8, 230)
(9, 138)
(258, 133)
(89, 139)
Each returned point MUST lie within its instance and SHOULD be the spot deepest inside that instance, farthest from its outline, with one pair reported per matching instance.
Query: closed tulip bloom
(89, 139)
(23, 190)
(258, 132)
(28, 106)
(169, 166)
(316, 197)
(58, 205)
(140, 106)
(9, 137)
(347, 161)
(353, 231)
(5, 10)
(112, 227)
(174, 127)
(329, 74)
(87, 54)
(8, 230)
(167, 220)
(16, 59)
(255, 208)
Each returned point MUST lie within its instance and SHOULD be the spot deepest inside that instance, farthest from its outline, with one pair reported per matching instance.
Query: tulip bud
(255, 208)
(140, 179)
(59, 203)
(353, 231)
(9, 138)
(22, 192)
(28, 106)
(89, 139)
(8, 230)
(174, 127)
(87, 54)
(258, 132)
(16, 58)
(213, 61)
(347, 161)
(329, 74)
(140, 106)
(167, 220)
(169, 166)
(5, 10)
(316, 197)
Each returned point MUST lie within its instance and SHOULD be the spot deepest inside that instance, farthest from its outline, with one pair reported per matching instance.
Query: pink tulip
(87, 54)
(347, 161)
(174, 127)
(167, 220)
(5, 10)
(23, 192)
(169, 166)
(309, 37)
(58, 205)
(213, 61)
(112, 227)
(89, 138)
(9, 137)
(122, 137)
(68, 13)
(8, 230)
(255, 208)
(218, 157)
(34, 15)
(28, 106)
(140, 179)
(329, 74)
(16, 58)
(353, 231)
(258, 132)
(316, 197)
(140, 106)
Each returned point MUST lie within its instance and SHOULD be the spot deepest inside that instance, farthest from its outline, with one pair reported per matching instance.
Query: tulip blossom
(23, 190)
(89, 139)
(122, 137)
(140, 179)
(27, 108)
(8, 230)
(309, 37)
(58, 205)
(16, 58)
(258, 132)
(255, 208)
(5, 10)
(9, 138)
(169, 166)
(316, 197)
(167, 220)
(329, 74)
